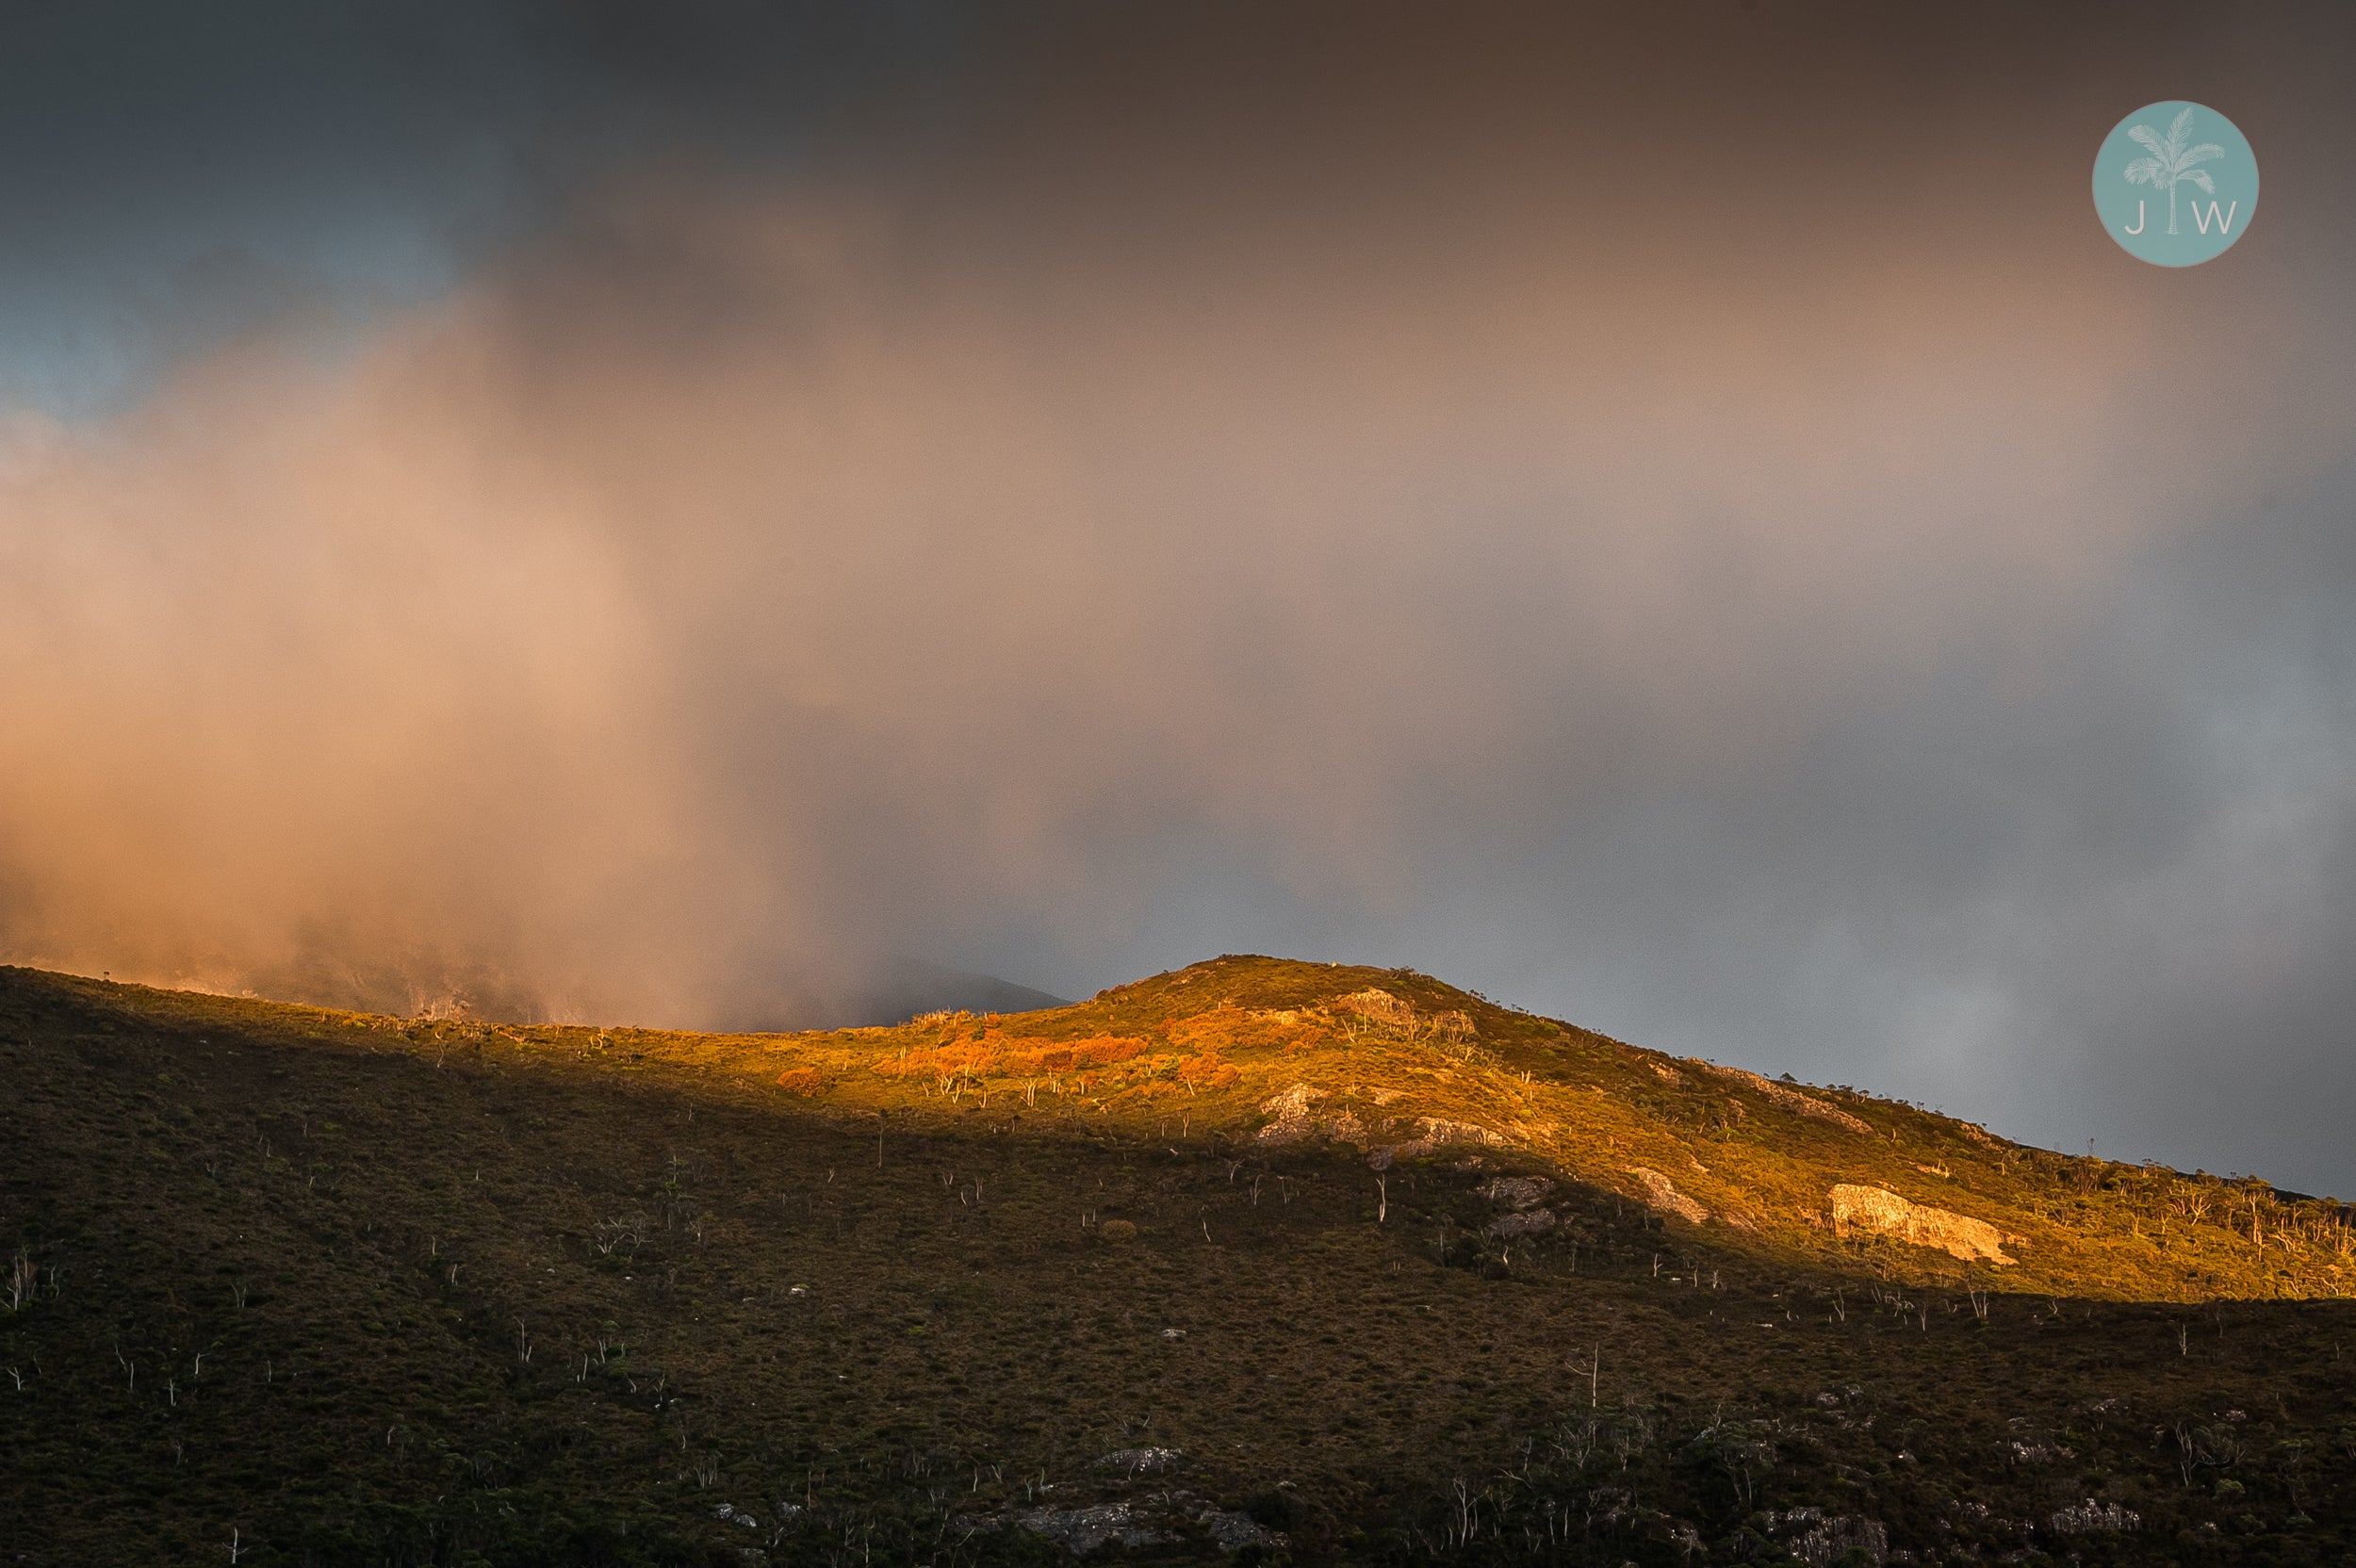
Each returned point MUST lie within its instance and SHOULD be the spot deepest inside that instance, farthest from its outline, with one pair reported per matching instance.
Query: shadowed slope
(430, 1292)
(1397, 1064)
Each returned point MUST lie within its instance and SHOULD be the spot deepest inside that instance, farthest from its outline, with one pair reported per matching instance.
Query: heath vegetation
(1256, 1261)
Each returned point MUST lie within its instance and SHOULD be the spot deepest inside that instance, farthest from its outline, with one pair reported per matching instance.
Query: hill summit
(1255, 1260)
(1394, 1064)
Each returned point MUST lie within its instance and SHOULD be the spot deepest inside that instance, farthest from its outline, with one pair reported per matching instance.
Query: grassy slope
(1213, 1042)
(363, 1224)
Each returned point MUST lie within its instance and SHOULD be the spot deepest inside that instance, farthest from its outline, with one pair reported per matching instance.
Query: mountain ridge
(1395, 1064)
(1254, 1261)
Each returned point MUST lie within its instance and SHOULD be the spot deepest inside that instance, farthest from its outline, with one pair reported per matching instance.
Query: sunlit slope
(1259, 1052)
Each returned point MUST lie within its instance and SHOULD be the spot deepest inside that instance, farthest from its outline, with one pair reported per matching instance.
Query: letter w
(2224, 224)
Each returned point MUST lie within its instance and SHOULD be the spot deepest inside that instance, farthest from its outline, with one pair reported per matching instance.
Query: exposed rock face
(1517, 1192)
(1439, 1129)
(1661, 1194)
(1432, 1131)
(1820, 1538)
(1380, 1006)
(1294, 1110)
(1526, 1222)
(1291, 1111)
(1081, 1530)
(1885, 1213)
(1296, 1117)
(1232, 1532)
(1141, 1522)
(1790, 1099)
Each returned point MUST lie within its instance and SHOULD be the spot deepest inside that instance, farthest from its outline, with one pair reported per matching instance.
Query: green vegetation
(306, 1287)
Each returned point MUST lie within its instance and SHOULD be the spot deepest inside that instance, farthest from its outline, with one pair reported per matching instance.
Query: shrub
(1208, 1071)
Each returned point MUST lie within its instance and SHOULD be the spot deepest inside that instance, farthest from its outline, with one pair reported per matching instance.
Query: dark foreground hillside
(290, 1287)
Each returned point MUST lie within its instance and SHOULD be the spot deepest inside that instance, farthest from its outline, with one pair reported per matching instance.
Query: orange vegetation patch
(1236, 1029)
(802, 1079)
(1206, 1070)
(996, 1057)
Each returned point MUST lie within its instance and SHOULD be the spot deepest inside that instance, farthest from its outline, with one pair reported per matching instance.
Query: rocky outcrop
(1517, 1192)
(1296, 1119)
(1661, 1194)
(1439, 1129)
(1884, 1213)
(1821, 1539)
(1149, 1521)
(1377, 1007)
(1526, 1222)
(1291, 1109)
(1432, 1133)
(1790, 1099)
(1082, 1530)
(1295, 1115)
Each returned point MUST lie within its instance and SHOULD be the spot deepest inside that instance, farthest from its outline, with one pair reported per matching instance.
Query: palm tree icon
(2171, 160)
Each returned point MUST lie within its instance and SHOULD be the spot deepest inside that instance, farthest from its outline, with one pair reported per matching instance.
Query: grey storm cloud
(1682, 524)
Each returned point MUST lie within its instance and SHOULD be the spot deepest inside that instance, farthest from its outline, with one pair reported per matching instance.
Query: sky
(1676, 517)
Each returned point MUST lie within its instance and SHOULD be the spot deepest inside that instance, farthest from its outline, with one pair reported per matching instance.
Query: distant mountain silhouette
(910, 985)
(428, 986)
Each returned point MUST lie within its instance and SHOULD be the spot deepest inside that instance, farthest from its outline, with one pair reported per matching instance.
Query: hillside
(1260, 1049)
(1258, 1260)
